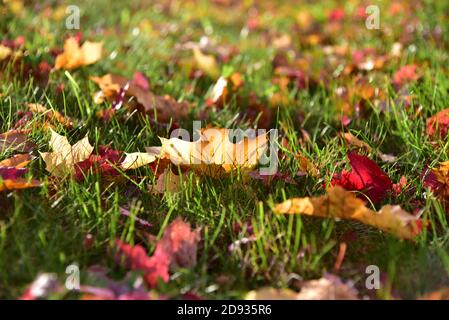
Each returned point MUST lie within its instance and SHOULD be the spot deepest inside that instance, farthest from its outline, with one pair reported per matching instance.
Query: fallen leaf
(44, 285)
(16, 140)
(206, 63)
(405, 75)
(438, 124)
(352, 140)
(51, 115)
(214, 154)
(11, 172)
(64, 156)
(366, 177)
(163, 108)
(168, 182)
(139, 159)
(339, 203)
(5, 52)
(17, 161)
(177, 248)
(75, 56)
(105, 164)
(329, 287)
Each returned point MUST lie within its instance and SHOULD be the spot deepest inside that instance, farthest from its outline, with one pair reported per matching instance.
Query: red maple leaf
(405, 75)
(102, 163)
(366, 176)
(438, 123)
(177, 247)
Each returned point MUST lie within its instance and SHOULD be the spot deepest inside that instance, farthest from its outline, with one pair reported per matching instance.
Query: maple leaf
(104, 163)
(438, 180)
(339, 203)
(163, 108)
(75, 56)
(214, 154)
(177, 248)
(366, 176)
(64, 156)
(11, 172)
(438, 123)
(405, 75)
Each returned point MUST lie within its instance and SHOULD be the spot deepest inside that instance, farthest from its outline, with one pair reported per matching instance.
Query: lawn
(358, 107)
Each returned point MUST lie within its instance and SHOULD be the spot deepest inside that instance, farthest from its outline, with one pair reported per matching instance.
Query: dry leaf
(206, 63)
(214, 154)
(352, 140)
(50, 114)
(169, 182)
(16, 140)
(163, 108)
(329, 287)
(138, 159)
(20, 183)
(75, 56)
(5, 52)
(64, 156)
(339, 203)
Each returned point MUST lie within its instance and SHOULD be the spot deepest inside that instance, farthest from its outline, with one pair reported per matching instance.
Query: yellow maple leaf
(339, 203)
(206, 63)
(64, 156)
(214, 154)
(75, 56)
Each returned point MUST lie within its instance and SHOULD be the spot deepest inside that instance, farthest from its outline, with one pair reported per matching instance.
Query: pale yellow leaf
(64, 156)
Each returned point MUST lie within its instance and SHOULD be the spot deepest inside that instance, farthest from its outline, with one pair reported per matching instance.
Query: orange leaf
(339, 203)
(75, 56)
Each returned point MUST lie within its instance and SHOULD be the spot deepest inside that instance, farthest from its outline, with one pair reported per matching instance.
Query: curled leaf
(339, 203)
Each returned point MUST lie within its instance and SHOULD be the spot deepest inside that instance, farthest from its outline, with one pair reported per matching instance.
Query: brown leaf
(329, 287)
(163, 108)
(51, 115)
(16, 140)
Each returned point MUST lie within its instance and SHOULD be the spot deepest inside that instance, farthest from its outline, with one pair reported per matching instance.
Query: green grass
(43, 230)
